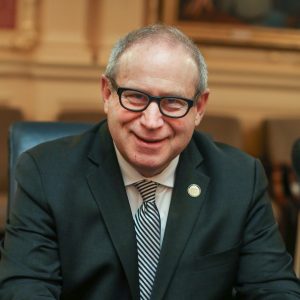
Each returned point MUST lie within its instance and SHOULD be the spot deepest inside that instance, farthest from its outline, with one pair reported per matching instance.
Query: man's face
(149, 140)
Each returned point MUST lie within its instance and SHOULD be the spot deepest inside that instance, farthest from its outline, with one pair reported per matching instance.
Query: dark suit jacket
(71, 233)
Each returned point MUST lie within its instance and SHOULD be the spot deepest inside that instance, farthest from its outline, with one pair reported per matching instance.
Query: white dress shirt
(164, 190)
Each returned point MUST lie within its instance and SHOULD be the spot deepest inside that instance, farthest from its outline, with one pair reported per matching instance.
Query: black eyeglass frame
(156, 99)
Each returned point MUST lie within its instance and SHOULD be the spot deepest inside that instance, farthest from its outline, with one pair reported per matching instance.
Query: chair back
(25, 135)
(280, 134)
(225, 129)
(296, 157)
(296, 166)
(8, 115)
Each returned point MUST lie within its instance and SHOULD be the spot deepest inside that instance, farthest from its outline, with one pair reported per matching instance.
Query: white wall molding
(38, 71)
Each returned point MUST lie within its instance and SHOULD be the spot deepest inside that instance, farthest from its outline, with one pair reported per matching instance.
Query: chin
(150, 168)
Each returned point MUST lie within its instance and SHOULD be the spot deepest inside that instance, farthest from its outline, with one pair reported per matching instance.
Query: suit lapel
(107, 186)
(183, 213)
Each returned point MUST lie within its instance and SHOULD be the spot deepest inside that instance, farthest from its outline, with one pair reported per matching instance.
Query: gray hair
(157, 31)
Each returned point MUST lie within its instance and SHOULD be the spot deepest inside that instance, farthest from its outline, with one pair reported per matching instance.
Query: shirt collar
(131, 175)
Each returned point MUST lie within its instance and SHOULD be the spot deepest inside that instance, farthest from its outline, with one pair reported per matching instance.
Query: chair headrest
(296, 157)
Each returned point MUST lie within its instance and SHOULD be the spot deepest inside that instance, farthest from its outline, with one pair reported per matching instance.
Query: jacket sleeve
(265, 267)
(29, 266)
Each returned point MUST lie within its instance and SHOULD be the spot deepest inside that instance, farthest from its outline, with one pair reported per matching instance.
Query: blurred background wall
(57, 66)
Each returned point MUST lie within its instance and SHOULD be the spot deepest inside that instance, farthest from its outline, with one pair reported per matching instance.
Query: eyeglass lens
(138, 101)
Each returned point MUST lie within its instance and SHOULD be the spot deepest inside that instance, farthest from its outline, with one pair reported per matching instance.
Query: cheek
(189, 129)
(185, 126)
(182, 132)
(113, 110)
(119, 117)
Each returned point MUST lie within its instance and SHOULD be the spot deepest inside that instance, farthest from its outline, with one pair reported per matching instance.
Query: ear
(106, 91)
(201, 106)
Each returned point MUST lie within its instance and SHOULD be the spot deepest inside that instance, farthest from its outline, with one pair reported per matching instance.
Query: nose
(152, 117)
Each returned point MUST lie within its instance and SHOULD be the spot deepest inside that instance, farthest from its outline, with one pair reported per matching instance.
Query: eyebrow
(167, 95)
(171, 95)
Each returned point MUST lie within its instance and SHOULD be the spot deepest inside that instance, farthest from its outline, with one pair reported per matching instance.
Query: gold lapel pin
(194, 190)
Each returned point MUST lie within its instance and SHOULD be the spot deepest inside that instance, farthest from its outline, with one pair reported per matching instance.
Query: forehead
(157, 47)
(158, 61)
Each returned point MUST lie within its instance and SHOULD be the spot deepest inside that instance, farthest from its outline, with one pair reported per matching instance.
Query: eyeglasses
(137, 101)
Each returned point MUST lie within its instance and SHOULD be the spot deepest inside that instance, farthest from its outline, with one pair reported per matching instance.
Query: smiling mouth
(150, 141)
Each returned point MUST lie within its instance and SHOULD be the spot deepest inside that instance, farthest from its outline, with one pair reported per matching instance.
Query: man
(142, 206)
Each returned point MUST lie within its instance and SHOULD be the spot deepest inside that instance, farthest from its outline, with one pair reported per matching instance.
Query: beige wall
(61, 68)
(254, 85)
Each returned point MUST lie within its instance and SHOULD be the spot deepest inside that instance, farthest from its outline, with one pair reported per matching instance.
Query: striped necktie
(147, 228)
